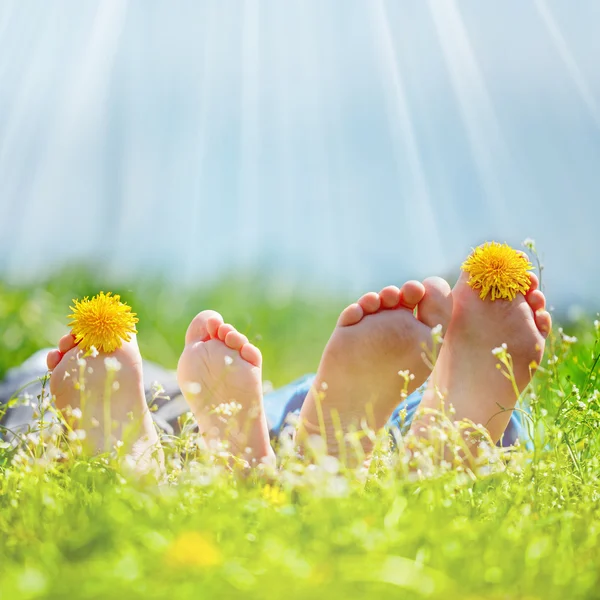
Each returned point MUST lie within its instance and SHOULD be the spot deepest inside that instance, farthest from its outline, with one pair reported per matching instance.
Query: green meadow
(526, 526)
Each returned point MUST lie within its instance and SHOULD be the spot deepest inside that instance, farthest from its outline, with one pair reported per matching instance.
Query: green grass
(82, 528)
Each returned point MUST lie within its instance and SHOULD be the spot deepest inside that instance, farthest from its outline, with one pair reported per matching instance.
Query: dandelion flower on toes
(103, 322)
(498, 270)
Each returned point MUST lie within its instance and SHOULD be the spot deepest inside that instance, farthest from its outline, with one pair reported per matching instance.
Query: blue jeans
(278, 404)
(289, 399)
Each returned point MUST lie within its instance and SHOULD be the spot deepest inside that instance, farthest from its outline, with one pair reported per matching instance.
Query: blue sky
(343, 145)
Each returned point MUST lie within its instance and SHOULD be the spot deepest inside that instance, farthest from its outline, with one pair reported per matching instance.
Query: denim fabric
(289, 399)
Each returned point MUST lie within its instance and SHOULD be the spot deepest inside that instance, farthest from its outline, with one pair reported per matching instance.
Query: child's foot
(108, 393)
(466, 374)
(220, 375)
(374, 339)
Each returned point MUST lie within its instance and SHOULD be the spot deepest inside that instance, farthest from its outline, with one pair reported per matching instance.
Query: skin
(122, 392)
(357, 381)
(466, 376)
(375, 338)
(217, 367)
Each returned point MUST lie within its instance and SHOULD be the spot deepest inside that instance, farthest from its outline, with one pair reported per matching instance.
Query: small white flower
(112, 364)
(193, 388)
(228, 360)
(228, 409)
(529, 244)
(156, 388)
(116, 385)
(93, 352)
(76, 412)
(67, 374)
(81, 362)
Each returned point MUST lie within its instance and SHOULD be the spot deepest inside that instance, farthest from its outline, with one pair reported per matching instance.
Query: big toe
(199, 329)
(436, 306)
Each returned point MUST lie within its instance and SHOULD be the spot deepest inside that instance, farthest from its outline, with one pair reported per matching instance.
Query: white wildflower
(193, 388)
(228, 409)
(529, 244)
(500, 350)
(112, 364)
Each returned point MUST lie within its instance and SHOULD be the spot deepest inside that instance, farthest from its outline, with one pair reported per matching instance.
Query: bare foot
(357, 381)
(220, 376)
(108, 391)
(466, 376)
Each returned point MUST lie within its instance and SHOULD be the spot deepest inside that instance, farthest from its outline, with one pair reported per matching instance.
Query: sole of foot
(220, 376)
(104, 396)
(466, 376)
(358, 381)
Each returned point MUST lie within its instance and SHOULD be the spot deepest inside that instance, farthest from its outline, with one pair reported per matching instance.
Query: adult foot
(220, 375)
(466, 375)
(358, 379)
(108, 391)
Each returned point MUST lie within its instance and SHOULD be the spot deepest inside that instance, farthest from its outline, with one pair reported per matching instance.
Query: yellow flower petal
(274, 495)
(103, 322)
(193, 549)
(498, 270)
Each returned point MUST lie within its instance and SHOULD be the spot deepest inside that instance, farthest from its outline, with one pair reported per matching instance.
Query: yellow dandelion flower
(273, 495)
(498, 270)
(193, 549)
(103, 322)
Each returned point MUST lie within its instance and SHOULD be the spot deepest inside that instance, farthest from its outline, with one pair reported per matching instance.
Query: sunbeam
(343, 145)
(476, 108)
(80, 106)
(419, 209)
(250, 140)
(568, 59)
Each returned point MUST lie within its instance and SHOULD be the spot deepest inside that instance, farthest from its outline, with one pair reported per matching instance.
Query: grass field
(529, 527)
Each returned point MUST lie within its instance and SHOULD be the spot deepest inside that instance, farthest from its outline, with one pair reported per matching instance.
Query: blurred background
(329, 147)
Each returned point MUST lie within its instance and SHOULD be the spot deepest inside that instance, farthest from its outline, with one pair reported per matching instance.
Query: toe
(252, 354)
(213, 325)
(536, 300)
(370, 303)
(351, 315)
(198, 330)
(66, 342)
(235, 340)
(390, 296)
(411, 293)
(543, 320)
(53, 359)
(535, 283)
(224, 330)
(436, 306)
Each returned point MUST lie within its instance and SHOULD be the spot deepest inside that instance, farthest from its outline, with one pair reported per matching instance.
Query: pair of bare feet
(358, 382)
